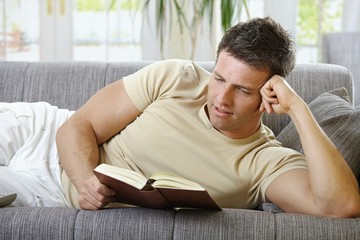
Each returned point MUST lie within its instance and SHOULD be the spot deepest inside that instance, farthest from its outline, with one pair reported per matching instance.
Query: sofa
(70, 84)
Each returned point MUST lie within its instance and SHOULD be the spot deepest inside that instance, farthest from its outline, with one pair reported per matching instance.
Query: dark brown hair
(262, 43)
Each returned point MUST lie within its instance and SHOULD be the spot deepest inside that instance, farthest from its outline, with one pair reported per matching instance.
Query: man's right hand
(95, 195)
(103, 116)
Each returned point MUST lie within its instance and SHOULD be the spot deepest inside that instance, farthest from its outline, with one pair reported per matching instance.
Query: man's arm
(328, 187)
(105, 114)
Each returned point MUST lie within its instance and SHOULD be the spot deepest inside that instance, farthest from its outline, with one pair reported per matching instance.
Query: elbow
(348, 209)
(352, 210)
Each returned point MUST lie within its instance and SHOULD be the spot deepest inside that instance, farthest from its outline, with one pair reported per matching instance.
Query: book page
(169, 180)
(130, 177)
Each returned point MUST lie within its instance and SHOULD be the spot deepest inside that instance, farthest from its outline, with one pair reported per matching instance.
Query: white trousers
(29, 161)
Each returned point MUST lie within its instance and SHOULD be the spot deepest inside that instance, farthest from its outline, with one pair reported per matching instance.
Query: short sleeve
(158, 81)
(274, 162)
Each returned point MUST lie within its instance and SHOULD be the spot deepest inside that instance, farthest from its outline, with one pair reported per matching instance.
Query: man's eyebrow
(217, 74)
(250, 89)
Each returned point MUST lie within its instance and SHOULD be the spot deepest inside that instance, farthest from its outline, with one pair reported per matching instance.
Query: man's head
(261, 43)
(248, 56)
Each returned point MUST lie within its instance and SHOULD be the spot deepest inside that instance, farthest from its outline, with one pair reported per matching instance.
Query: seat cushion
(37, 223)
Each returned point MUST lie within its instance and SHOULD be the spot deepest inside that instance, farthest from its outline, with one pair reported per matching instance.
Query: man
(174, 116)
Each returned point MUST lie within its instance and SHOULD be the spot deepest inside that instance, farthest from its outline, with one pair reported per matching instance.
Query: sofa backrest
(70, 84)
(309, 81)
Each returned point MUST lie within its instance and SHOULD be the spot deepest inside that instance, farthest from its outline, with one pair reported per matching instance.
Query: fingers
(266, 106)
(269, 97)
(268, 91)
(95, 195)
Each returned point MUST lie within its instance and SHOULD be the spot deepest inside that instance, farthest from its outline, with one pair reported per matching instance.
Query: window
(315, 18)
(19, 30)
(107, 30)
(114, 30)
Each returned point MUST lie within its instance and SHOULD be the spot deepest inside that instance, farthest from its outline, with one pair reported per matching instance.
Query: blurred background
(124, 30)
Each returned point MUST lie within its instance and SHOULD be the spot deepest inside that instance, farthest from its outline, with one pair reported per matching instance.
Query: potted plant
(182, 22)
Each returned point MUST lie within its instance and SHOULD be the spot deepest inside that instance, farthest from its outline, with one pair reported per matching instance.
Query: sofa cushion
(64, 84)
(12, 82)
(299, 226)
(37, 223)
(125, 223)
(339, 120)
(225, 224)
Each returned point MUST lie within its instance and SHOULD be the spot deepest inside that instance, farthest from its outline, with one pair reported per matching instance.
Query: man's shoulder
(179, 69)
(181, 65)
(172, 63)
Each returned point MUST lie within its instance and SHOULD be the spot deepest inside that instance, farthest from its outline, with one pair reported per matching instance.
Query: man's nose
(225, 96)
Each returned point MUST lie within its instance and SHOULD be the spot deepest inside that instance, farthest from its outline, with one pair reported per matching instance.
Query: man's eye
(243, 91)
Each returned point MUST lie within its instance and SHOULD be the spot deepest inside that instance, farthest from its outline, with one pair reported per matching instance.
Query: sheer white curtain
(56, 32)
(284, 12)
(351, 16)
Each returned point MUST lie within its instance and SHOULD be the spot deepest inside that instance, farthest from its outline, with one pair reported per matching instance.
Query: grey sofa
(70, 84)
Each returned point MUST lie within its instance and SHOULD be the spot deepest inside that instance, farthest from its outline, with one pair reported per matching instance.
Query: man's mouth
(222, 112)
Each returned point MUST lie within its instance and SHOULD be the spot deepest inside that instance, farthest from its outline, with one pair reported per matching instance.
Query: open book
(162, 190)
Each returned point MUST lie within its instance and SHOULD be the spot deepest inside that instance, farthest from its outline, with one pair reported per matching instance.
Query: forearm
(328, 188)
(331, 180)
(78, 151)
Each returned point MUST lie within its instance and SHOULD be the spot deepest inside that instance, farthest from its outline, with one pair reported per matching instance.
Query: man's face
(234, 99)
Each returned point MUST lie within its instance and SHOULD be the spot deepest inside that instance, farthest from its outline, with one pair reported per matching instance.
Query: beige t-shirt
(174, 134)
